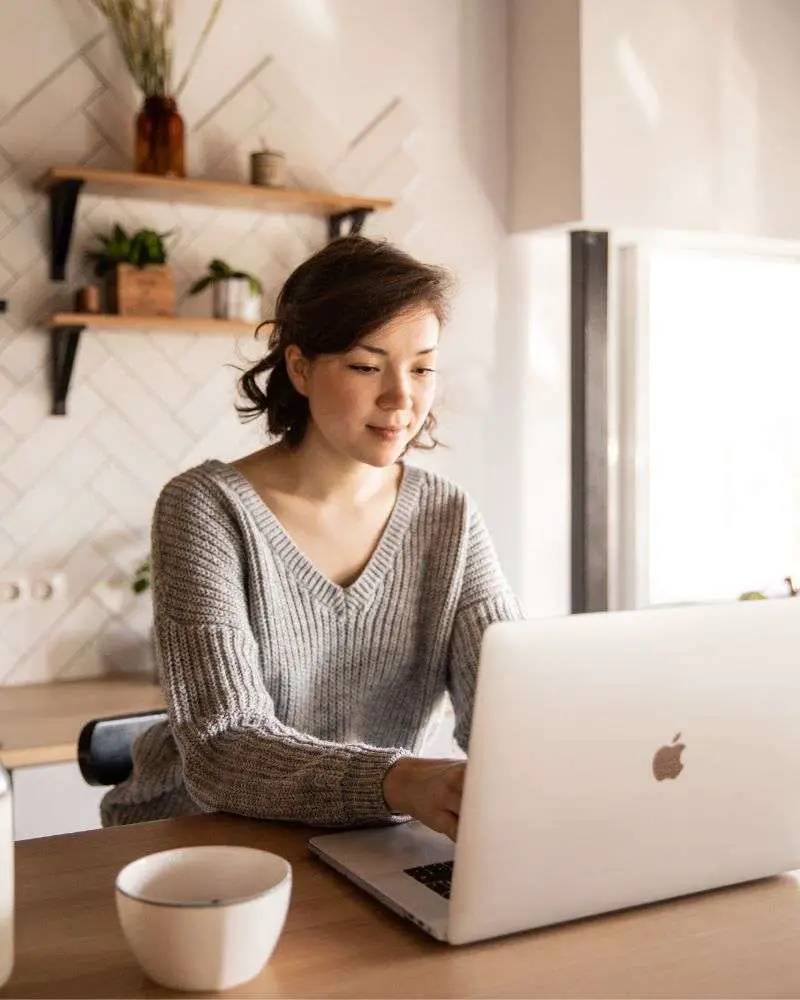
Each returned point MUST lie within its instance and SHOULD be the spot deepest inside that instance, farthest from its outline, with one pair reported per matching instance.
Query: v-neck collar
(363, 589)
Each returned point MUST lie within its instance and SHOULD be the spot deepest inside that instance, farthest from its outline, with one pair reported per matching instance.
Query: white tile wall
(368, 97)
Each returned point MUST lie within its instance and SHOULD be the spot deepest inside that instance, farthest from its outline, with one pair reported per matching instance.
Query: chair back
(104, 746)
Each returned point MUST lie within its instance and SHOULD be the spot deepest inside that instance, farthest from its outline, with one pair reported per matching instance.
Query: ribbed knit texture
(288, 696)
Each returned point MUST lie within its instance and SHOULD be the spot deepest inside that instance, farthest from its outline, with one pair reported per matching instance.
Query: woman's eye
(424, 372)
(364, 369)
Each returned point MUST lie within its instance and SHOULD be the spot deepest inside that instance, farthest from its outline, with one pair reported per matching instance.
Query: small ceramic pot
(234, 299)
(268, 168)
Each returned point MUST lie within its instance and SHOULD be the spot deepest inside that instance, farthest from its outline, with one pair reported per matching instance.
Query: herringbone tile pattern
(76, 493)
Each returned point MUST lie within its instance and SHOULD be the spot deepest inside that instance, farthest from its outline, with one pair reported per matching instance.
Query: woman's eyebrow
(380, 350)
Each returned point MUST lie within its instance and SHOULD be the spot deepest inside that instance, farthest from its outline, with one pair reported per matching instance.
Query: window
(710, 496)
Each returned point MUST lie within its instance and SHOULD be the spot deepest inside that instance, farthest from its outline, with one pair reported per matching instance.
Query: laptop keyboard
(438, 876)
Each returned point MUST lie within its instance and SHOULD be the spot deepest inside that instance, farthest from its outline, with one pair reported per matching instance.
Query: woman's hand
(429, 789)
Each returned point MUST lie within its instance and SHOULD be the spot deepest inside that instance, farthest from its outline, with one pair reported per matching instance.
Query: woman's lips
(387, 433)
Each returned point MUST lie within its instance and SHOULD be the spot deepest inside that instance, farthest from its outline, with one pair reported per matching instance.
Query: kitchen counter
(40, 723)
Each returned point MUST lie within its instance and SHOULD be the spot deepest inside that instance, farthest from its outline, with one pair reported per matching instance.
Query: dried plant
(143, 30)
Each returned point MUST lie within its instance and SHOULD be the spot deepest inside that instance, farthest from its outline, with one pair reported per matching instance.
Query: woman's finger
(455, 776)
(451, 801)
(445, 822)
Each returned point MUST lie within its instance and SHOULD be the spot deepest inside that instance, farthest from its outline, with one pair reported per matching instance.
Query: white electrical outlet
(14, 593)
(39, 588)
(47, 587)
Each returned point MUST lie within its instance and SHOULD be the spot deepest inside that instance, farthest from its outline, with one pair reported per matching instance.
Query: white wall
(370, 96)
(530, 505)
(688, 115)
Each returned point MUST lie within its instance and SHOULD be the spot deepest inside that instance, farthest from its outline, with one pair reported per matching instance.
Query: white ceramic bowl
(204, 918)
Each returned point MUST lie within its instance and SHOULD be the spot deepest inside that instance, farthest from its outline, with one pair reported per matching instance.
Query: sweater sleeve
(237, 756)
(485, 597)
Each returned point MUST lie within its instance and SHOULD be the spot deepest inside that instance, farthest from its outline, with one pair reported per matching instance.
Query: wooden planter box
(141, 291)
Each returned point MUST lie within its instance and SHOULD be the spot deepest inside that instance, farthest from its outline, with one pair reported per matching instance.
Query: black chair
(104, 746)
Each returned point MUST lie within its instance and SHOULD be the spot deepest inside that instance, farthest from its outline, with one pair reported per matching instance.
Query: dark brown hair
(339, 295)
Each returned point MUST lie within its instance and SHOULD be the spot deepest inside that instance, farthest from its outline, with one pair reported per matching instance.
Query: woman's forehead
(416, 329)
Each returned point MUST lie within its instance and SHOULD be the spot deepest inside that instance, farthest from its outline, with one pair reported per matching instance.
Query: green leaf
(220, 269)
(201, 284)
(255, 285)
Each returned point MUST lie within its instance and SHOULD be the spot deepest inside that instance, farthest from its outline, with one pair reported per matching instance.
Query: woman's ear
(297, 366)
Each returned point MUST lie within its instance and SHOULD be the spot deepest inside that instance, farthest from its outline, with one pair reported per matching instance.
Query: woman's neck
(310, 471)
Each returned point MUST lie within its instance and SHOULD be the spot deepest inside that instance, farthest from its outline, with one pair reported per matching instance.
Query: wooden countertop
(338, 942)
(40, 723)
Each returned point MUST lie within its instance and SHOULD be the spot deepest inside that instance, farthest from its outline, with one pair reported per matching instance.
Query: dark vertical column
(589, 431)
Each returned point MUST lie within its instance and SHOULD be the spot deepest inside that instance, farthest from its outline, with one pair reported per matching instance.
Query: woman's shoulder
(198, 488)
(450, 503)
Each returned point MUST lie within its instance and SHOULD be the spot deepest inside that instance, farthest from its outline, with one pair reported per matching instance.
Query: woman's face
(368, 403)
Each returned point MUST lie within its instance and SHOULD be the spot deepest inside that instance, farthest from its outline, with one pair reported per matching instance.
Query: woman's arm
(430, 789)
(485, 597)
(237, 756)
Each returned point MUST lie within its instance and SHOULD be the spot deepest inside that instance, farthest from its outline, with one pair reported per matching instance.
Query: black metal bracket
(64, 342)
(3, 305)
(63, 203)
(355, 216)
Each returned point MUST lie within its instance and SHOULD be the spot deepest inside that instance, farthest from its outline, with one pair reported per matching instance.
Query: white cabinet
(54, 798)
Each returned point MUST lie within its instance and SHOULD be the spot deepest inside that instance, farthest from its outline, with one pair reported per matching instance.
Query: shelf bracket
(64, 342)
(63, 203)
(356, 218)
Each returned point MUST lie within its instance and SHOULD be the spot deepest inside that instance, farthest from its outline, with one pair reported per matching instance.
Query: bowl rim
(203, 904)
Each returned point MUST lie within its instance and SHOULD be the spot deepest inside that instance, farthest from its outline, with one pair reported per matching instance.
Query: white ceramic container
(204, 918)
(233, 299)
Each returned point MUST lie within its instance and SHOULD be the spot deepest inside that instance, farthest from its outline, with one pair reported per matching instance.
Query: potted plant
(267, 167)
(142, 578)
(142, 582)
(138, 280)
(143, 30)
(237, 294)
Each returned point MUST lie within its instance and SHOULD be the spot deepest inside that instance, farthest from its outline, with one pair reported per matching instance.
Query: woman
(314, 601)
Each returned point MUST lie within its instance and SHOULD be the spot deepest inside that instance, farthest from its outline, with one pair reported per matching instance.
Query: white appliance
(615, 759)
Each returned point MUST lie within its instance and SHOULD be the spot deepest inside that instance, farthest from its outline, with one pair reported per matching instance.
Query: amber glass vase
(159, 138)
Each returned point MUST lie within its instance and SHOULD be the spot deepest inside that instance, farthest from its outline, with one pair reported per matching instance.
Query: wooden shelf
(64, 185)
(165, 324)
(66, 330)
(207, 192)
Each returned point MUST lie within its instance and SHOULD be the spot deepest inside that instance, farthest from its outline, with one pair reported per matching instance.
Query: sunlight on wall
(318, 14)
(635, 74)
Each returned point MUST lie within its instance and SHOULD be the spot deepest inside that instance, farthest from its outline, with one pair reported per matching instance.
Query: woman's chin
(381, 454)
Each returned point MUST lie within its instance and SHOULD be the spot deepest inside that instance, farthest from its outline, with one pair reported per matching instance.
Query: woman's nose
(396, 395)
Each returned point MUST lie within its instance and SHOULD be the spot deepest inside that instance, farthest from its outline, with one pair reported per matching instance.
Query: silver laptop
(615, 759)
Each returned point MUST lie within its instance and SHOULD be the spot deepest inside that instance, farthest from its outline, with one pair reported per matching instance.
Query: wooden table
(740, 942)
(40, 723)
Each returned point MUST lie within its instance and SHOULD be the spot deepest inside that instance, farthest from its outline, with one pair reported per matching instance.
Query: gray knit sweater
(288, 696)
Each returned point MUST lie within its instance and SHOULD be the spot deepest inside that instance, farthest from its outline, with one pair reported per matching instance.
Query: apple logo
(667, 760)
